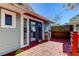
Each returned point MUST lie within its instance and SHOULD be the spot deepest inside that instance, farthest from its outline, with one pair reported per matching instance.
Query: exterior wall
(10, 38)
(47, 30)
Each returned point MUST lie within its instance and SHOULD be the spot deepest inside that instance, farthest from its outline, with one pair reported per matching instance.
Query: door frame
(22, 31)
(29, 17)
(22, 25)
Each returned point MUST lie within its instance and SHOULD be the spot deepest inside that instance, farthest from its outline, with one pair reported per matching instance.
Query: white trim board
(22, 31)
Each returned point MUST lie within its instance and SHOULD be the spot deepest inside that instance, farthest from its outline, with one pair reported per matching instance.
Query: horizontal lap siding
(10, 38)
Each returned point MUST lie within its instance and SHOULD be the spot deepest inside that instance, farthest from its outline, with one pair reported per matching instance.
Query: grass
(18, 51)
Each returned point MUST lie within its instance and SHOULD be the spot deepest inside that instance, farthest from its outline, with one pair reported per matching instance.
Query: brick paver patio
(49, 48)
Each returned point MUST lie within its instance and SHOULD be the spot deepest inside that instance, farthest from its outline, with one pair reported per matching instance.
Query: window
(8, 19)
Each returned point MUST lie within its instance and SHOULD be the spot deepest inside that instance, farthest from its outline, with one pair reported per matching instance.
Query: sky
(51, 10)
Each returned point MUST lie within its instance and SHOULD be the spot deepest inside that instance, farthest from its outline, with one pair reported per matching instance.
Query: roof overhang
(11, 7)
(33, 14)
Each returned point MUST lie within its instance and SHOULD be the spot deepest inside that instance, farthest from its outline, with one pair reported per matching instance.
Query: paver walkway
(49, 48)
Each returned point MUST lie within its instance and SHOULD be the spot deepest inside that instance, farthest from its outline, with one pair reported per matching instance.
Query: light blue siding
(10, 38)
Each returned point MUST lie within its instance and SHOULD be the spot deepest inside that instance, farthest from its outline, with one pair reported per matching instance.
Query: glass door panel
(33, 31)
(39, 31)
(25, 31)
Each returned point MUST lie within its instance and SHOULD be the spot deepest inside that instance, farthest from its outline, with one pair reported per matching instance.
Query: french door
(35, 31)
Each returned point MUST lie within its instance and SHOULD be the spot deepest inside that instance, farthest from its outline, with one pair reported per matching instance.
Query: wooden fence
(61, 31)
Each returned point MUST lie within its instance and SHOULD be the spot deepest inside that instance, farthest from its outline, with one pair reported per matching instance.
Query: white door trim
(22, 31)
(22, 25)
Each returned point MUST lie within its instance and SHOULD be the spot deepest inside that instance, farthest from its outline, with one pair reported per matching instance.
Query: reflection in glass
(25, 31)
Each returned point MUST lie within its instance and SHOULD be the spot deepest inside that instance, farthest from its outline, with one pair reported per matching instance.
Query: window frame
(3, 13)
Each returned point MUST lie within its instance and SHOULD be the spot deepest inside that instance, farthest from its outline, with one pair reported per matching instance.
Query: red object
(74, 43)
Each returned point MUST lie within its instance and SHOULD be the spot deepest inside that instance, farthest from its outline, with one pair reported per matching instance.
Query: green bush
(18, 51)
